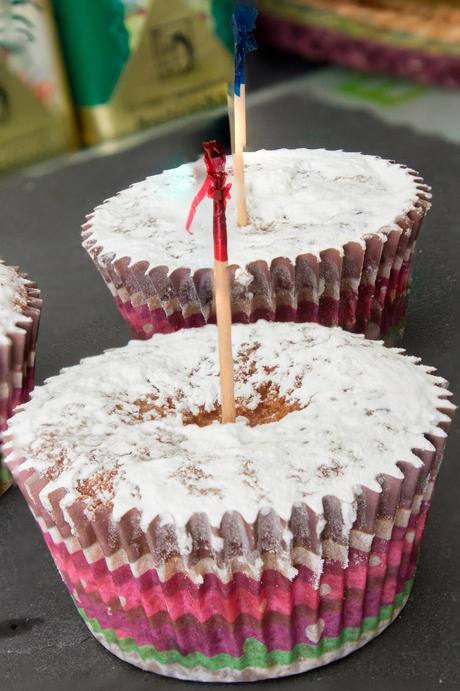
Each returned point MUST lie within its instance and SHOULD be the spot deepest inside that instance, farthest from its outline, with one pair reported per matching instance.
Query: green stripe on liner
(395, 333)
(5, 475)
(255, 652)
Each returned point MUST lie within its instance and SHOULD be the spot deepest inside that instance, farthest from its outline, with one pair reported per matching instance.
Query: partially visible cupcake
(20, 306)
(330, 240)
(241, 551)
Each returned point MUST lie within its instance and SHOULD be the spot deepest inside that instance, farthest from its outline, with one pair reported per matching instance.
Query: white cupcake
(241, 551)
(330, 240)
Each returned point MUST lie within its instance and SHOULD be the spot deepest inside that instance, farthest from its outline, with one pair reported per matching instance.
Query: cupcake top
(299, 201)
(13, 299)
(320, 412)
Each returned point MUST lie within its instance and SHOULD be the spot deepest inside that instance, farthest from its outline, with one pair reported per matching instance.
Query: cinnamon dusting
(148, 407)
(48, 445)
(191, 475)
(333, 470)
(99, 484)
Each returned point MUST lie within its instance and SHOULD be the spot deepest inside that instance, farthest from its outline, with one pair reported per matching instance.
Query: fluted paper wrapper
(17, 365)
(240, 601)
(362, 288)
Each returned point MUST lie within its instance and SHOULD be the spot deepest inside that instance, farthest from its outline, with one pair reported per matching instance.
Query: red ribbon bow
(214, 187)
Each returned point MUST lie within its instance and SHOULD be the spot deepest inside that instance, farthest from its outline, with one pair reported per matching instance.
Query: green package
(133, 63)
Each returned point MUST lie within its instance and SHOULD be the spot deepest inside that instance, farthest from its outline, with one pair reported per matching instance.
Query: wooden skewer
(238, 163)
(243, 114)
(231, 121)
(224, 327)
(215, 187)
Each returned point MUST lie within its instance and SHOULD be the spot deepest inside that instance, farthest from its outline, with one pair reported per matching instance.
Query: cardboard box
(133, 63)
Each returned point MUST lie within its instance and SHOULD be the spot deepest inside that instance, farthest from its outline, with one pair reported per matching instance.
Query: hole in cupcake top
(271, 408)
(267, 404)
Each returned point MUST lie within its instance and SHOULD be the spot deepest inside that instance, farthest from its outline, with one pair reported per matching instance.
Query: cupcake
(330, 240)
(243, 551)
(20, 306)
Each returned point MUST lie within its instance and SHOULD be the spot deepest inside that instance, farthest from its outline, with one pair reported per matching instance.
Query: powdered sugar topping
(13, 299)
(300, 201)
(111, 430)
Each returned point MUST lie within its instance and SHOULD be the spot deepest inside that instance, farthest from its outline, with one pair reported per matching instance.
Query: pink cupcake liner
(356, 288)
(260, 606)
(17, 364)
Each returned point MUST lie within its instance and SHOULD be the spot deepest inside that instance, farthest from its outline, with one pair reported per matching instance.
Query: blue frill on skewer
(244, 21)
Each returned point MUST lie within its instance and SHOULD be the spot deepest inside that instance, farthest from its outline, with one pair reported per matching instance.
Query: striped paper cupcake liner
(242, 601)
(17, 365)
(356, 288)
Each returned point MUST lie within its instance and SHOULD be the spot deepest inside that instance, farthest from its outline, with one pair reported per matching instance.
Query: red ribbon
(214, 187)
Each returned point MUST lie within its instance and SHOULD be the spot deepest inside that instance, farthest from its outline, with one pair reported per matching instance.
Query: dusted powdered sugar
(13, 299)
(356, 409)
(299, 201)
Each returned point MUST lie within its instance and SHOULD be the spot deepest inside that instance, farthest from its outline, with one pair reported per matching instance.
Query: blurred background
(77, 73)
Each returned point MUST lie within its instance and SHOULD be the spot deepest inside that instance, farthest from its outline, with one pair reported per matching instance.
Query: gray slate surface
(43, 642)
